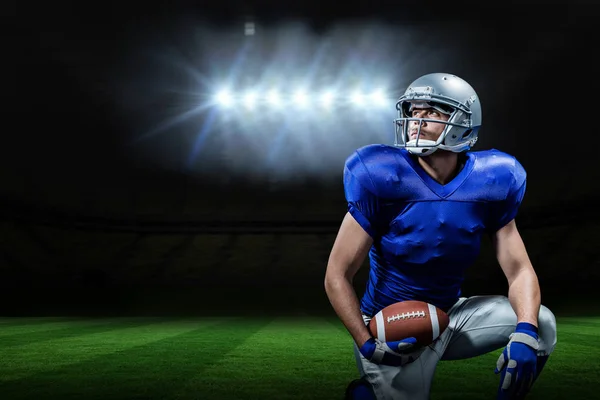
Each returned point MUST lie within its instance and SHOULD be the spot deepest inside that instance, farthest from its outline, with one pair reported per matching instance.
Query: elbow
(332, 287)
(334, 280)
(329, 282)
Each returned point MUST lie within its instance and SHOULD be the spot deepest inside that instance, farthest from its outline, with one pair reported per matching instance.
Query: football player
(419, 209)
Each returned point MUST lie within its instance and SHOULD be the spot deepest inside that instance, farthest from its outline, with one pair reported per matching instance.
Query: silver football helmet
(448, 94)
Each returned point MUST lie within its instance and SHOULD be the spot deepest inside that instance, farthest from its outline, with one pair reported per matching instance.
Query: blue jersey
(426, 234)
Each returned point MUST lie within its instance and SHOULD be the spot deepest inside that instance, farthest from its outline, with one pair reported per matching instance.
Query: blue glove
(389, 353)
(518, 362)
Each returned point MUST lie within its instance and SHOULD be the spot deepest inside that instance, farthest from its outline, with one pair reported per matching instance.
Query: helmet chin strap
(426, 147)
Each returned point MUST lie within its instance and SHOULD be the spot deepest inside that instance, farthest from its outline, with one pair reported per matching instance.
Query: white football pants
(478, 325)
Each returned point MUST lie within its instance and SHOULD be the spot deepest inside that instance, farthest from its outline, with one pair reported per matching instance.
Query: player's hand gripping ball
(401, 330)
(409, 319)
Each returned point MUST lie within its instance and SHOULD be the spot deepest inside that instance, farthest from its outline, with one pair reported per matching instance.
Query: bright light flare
(357, 98)
(273, 98)
(327, 99)
(250, 99)
(224, 98)
(378, 97)
(301, 98)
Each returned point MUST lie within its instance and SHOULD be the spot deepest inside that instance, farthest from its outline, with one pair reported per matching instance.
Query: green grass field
(242, 358)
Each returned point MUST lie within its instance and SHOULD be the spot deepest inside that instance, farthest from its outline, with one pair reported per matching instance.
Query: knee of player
(547, 327)
(360, 389)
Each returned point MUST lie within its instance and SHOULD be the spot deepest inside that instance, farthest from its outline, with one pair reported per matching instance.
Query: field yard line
(583, 330)
(29, 327)
(337, 324)
(28, 359)
(4, 320)
(592, 321)
(298, 346)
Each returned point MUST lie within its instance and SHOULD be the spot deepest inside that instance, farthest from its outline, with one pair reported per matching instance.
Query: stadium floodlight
(378, 97)
(300, 98)
(327, 98)
(357, 98)
(250, 99)
(224, 98)
(273, 97)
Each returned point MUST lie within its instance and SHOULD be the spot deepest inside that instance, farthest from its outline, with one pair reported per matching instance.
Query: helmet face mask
(450, 95)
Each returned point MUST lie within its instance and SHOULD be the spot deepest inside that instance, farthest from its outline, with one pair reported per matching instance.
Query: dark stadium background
(95, 220)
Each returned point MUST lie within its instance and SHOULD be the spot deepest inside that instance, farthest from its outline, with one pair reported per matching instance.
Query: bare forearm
(343, 298)
(524, 296)
(523, 286)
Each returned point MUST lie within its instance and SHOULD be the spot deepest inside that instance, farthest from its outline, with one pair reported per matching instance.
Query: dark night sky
(84, 88)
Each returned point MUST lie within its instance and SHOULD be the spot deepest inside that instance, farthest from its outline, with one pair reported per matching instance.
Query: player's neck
(442, 166)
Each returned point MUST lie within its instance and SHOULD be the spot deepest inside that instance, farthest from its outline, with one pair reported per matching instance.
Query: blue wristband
(368, 348)
(528, 328)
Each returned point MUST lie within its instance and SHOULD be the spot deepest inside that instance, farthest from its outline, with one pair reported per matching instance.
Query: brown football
(423, 321)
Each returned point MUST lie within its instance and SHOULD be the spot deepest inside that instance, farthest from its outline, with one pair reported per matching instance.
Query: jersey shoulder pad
(499, 169)
(378, 168)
